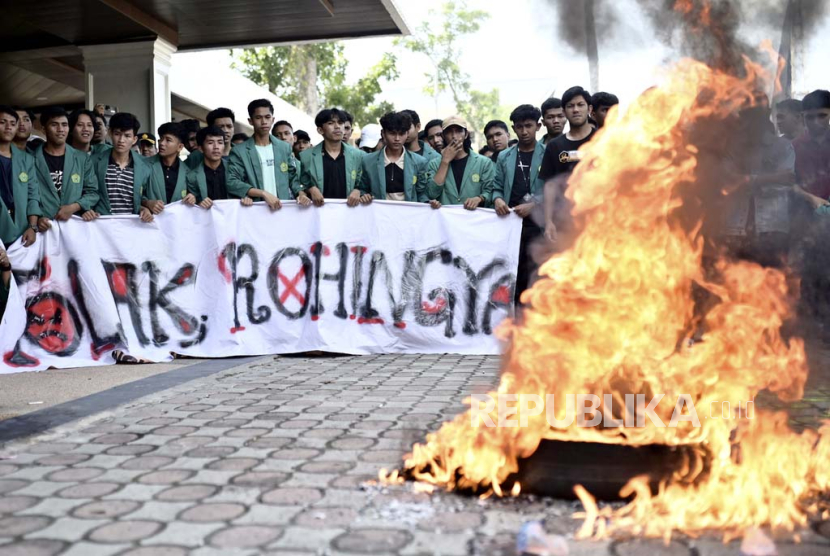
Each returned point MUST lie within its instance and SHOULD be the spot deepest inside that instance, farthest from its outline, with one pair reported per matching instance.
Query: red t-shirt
(812, 165)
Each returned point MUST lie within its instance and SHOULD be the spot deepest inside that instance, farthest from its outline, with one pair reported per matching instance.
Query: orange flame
(616, 314)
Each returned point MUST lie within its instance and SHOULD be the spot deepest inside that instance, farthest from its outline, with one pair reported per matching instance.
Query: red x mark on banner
(291, 286)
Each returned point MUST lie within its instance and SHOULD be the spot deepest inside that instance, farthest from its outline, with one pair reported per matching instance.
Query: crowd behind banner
(90, 165)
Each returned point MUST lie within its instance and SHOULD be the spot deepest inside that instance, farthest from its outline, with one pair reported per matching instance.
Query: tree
(439, 41)
(304, 74)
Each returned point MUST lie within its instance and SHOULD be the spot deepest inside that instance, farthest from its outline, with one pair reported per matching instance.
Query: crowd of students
(90, 167)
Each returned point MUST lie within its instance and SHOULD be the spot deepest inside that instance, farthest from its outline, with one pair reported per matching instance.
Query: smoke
(712, 31)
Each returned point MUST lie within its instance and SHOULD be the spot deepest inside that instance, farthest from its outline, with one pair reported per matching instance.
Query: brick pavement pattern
(273, 457)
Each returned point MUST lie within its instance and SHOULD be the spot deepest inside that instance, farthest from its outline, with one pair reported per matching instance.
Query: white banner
(233, 280)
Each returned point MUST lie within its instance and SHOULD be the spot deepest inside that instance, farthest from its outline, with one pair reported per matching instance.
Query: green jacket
(194, 159)
(427, 151)
(311, 161)
(479, 177)
(158, 189)
(141, 180)
(98, 148)
(79, 185)
(26, 197)
(414, 177)
(197, 183)
(244, 170)
(506, 172)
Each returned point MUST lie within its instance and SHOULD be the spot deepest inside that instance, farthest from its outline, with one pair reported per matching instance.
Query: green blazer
(197, 183)
(428, 152)
(98, 148)
(244, 170)
(311, 161)
(479, 177)
(194, 159)
(79, 185)
(506, 172)
(141, 180)
(26, 197)
(158, 190)
(373, 178)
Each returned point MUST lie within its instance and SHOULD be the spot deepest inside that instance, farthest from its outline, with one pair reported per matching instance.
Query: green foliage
(438, 39)
(313, 76)
(358, 98)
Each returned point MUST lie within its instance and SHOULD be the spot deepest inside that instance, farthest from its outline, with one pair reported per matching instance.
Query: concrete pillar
(133, 77)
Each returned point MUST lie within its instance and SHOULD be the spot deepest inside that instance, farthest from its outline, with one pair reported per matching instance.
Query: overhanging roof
(194, 24)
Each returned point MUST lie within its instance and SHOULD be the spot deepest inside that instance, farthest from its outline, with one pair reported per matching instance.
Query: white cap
(370, 136)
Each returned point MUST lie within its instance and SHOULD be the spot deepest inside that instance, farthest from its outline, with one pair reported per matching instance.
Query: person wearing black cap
(459, 175)
(147, 145)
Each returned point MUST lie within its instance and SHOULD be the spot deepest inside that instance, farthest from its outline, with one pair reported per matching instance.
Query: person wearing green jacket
(208, 181)
(168, 175)
(414, 143)
(63, 173)
(262, 167)
(19, 190)
(518, 187)
(122, 176)
(394, 173)
(460, 175)
(331, 169)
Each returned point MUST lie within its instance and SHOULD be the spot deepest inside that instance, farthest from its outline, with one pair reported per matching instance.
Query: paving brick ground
(273, 458)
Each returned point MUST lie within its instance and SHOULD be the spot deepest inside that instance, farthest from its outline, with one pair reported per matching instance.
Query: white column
(134, 77)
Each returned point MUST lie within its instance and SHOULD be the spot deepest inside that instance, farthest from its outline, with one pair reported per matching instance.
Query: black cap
(147, 138)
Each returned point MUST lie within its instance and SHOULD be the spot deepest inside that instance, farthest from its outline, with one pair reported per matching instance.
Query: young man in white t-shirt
(262, 167)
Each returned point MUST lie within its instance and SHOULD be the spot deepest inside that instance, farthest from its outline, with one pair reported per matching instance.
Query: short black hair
(259, 103)
(176, 129)
(550, 104)
(209, 131)
(818, 99)
(238, 136)
(348, 116)
(496, 123)
(485, 149)
(433, 123)
(190, 125)
(416, 119)
(396, 121)
(214, 115)
(512, 142)
(103, 117)
(27, 110)
(574, 92)
(73, 118)
(51, 113)
(282, 122)
(6, 109)
(525, 112)
(301, 135)
(790, 105)
(124, 121)
(328, 114)
(603, 99)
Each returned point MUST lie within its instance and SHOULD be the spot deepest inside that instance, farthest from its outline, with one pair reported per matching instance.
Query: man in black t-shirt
(561, 156)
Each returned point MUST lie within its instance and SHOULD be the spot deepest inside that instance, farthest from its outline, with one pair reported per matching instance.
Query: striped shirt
(120, 184)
